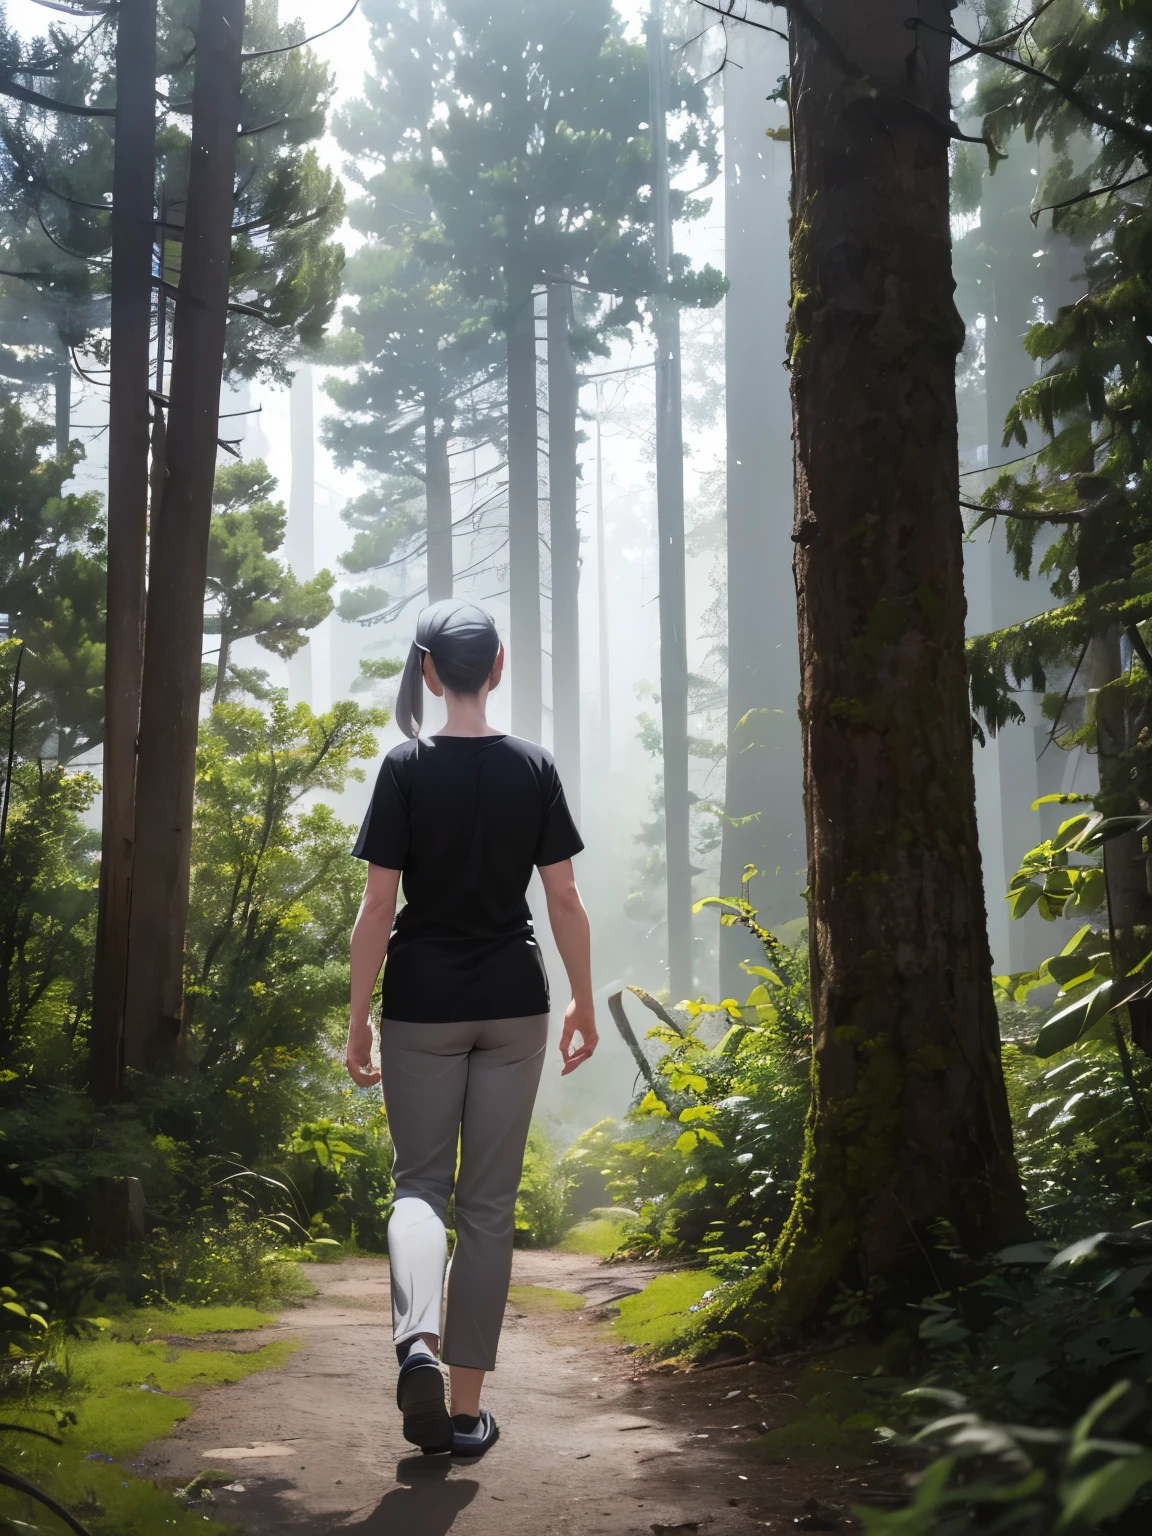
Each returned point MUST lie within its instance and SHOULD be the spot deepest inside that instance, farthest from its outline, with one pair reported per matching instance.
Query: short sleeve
(559, 839)
(384, 836)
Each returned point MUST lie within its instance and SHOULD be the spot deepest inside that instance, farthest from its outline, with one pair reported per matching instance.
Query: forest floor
(593, 1443)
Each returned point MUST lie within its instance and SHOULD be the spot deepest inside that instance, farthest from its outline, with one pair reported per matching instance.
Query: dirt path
(590, 1443)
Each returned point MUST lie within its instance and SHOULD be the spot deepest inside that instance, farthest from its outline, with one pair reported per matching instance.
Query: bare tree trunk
(524, 519)
(909, 1126)
(670, 539)
(133, 232)
(62, 386)
(300, 540)
(170, 702)
(563, 403)
(222, 666)
(602, 604)
(438, 490)
(763, 792)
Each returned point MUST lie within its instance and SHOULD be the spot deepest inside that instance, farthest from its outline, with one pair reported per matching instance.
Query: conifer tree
(251, 594)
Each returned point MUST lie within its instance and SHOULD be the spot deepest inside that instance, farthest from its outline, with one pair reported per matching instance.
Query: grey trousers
(472, 1086)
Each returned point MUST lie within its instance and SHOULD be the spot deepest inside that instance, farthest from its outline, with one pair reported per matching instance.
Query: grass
(186, 1322)
(543, 1298)
(657, 1320)
(117, 1393)
(598, 1238)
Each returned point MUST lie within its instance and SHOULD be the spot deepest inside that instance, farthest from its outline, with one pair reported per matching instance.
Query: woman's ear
(497, 671)
(431, 676)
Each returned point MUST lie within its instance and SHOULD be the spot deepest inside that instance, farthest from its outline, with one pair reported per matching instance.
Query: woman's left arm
(370, 937)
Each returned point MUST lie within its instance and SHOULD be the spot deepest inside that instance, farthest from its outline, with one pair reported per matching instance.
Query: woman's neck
(467, 715)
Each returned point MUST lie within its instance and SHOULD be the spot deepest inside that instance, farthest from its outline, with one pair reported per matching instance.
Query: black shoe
(420, 1398)
(474, 1442)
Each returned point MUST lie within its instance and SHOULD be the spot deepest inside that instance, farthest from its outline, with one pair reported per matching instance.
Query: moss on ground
(599, 1239)
(116, 1394)
(543, 1298)
(657, 1320)
(142, 1323)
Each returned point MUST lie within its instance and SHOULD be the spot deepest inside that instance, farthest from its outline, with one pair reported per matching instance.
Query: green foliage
(48, 877)
(1092, 402)
(274, 894)
(540, 1202)
(234, 1263)
(52, 589)
(252, 595)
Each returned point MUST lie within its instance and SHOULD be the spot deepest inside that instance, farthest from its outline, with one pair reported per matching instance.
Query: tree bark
(524, 519)
(300, 534)
(133, 201)
(563, 404)
(670, 541)
(62, 387)
(763, 791)
(438, 490)
(170, 701)
(909, 1127)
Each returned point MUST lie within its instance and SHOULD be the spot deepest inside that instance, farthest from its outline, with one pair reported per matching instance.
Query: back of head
(462, 642)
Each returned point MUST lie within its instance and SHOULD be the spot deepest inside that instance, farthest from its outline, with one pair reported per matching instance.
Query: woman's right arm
(370, 936)
(573, 939)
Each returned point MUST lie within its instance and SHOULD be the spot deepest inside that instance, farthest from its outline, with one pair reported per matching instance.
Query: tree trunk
(222, 665)
(438, 490)
(602, 604)
(524, 519)
(133, 232)
(670, 540)
(62, 385)
(563, 403)
(909, 1126)
(300, 535)
(763, 792)
(170, 702)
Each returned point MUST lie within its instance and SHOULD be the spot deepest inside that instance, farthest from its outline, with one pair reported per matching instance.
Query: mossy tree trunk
(909, 1126)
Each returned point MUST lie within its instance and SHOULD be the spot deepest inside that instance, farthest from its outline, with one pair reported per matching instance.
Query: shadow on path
(425, 1501)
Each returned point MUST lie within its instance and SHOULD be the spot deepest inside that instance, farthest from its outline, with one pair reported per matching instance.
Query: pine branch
(31, 98)
(265, 53)
(1024, 517)
(1083, 197)
(727, 11)
(1098, 115)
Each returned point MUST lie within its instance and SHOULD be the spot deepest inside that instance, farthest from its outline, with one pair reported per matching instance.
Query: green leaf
(697, 1112)
(1070, 799)
(706, 1135)
(652, 1104)
(1070, 830)
(1066, 1027)
(761, 970)
(1023, 900)
(1104, 1493)
(686, 1142)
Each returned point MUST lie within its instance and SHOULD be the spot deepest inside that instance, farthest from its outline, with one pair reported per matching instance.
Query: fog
(736, 430)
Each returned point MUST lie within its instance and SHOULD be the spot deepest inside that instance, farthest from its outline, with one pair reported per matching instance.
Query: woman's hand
(579, 1019)
(358, 1057)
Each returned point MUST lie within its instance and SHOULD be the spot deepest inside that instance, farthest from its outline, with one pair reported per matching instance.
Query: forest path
(591, 1443)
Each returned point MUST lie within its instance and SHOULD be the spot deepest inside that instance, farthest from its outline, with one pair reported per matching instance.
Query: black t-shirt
(466, 818)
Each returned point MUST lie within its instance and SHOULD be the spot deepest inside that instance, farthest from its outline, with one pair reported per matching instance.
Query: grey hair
(462, 641)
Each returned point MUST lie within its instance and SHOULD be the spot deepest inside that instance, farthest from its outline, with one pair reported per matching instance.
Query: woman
(464, 816)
